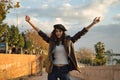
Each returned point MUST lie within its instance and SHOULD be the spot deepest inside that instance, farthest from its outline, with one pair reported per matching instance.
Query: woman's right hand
(27, 18)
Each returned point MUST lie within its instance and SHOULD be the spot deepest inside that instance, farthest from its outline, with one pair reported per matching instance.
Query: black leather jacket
(69, 47)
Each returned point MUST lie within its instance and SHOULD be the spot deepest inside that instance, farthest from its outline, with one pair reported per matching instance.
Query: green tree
(28, 43)
(4, 9)
(3, 32)
(8, 34)
(117, 61)
(5, 6)
(21, 41)
(100, 48)
(14, 36)
(100, 56)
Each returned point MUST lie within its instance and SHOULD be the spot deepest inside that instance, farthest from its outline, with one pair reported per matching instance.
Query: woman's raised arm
(95, 21)
(27, 18)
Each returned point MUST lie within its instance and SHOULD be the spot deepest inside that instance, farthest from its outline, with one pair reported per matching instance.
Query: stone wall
(16, 65)
(99, 73)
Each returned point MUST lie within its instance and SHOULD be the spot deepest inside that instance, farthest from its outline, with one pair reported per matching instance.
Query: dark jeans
(59, 72)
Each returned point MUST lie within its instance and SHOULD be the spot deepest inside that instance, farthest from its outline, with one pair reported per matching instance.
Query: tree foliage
(21, 41)
(100, 48)
(117, 60)
(3, 30)
(37, 42)
(14, 37)
(100, 56)
(85, 56)
(5, 6)
(11, 34)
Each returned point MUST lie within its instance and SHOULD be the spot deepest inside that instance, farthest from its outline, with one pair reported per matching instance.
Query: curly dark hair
(57, 40)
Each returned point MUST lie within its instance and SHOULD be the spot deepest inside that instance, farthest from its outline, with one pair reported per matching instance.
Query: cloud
(97, 8)
(117, 17)
(108, 34)
(46, 13)
(71, 13)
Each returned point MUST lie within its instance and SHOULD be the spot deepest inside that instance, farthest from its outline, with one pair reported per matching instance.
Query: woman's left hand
(96, 20)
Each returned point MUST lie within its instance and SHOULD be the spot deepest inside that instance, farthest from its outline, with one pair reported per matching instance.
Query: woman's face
(58, 33)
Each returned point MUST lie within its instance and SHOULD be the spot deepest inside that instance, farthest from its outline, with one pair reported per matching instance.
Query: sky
(74, 15)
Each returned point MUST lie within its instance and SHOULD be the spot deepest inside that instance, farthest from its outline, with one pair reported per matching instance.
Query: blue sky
(74, 15)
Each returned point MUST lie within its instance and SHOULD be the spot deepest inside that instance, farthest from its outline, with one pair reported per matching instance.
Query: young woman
(61, 54)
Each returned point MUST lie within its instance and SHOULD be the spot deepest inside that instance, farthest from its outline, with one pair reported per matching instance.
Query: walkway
(43, 77)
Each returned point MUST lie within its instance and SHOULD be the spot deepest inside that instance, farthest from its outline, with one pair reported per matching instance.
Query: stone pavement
(44, 77)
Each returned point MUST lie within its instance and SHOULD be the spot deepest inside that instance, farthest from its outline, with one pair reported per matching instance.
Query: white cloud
(67, 6)
(46, 13)
(117, 17)
(70, 12)
(108, 34)
(67, 12)
(45, 6)
(98, 8)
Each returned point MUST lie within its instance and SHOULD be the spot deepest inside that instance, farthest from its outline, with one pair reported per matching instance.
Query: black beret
(60, 26)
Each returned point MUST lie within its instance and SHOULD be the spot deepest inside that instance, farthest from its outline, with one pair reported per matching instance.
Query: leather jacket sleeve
(79, 34)
(44, 36)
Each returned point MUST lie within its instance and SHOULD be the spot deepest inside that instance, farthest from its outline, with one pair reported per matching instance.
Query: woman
(61, 55)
